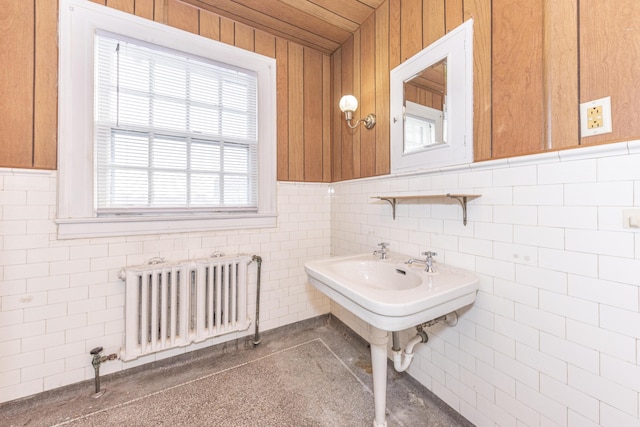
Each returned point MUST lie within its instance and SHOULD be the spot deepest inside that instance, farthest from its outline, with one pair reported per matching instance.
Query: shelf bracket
(393, 202)
(463, 202)
(460, 198)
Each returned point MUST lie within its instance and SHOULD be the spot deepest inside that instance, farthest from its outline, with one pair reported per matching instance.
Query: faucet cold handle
(382, 253)
(429, 261)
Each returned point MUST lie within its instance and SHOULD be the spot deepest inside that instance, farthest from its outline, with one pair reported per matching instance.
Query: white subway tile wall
(61, 298)
(553, 338)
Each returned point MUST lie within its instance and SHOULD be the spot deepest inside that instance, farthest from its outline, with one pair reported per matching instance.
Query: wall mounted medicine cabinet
(431, 104)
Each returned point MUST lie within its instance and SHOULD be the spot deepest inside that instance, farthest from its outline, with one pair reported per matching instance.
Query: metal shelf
(461, 198)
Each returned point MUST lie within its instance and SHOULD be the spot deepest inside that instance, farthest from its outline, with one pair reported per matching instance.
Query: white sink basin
(389, 294)
(376, 274)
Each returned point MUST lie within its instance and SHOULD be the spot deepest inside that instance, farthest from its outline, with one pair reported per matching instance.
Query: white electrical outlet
(595, 117)
(631, 218)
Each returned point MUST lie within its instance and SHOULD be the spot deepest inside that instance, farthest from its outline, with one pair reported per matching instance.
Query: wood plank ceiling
(320, 24)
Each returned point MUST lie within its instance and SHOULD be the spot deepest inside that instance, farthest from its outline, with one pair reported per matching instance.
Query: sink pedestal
(378, 340)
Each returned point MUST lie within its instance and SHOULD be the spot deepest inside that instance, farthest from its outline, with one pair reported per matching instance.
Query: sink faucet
(382, 253)
(428, 262)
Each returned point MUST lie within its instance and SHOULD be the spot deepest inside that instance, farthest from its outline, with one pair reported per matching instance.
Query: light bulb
(348, 103)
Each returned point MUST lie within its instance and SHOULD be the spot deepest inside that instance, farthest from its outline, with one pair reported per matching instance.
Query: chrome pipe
(256, 337)
(395, 339)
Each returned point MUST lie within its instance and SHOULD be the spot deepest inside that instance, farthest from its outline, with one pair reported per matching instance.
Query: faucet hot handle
(383, 245)
(430, 254)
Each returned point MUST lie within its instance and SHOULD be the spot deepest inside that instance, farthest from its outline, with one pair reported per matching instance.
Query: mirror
(432, 104)
(424, 108)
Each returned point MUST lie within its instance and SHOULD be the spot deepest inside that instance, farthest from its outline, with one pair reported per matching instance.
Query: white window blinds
(419, 133)
(174, 132)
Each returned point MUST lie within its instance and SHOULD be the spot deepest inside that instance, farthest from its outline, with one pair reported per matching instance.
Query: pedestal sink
(390, 295)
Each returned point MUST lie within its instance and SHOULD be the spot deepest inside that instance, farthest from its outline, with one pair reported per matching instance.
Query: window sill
(134, 226)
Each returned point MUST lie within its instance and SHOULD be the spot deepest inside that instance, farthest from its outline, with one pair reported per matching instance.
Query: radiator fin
(172, 305)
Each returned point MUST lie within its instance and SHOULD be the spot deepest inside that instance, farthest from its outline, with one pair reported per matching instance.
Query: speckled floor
(313, 373)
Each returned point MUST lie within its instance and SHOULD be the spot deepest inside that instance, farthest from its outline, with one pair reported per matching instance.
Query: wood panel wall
(28, 83)
(534, 62)
(610, 64)
(303, 82)
(528, 82)
(534, 76)
(28, 109)
(423, 97)
(395, 32)
(548, 57)
(517, 77)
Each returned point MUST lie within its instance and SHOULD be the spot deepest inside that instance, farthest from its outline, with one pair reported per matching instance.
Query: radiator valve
(96, 361)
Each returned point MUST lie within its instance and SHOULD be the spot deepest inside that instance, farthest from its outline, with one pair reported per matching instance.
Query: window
(423, 127)
(172, 131)
(181, 129)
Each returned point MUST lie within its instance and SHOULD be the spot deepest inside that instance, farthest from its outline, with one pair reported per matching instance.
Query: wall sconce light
(349, 104)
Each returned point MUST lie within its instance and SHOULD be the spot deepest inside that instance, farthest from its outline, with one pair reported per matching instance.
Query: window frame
(77, 216)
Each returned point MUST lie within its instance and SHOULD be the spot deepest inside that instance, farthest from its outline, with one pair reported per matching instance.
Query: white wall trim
(580, 153)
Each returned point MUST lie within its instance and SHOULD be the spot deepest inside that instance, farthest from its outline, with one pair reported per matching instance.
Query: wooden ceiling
(321, 24)
(432, 79)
